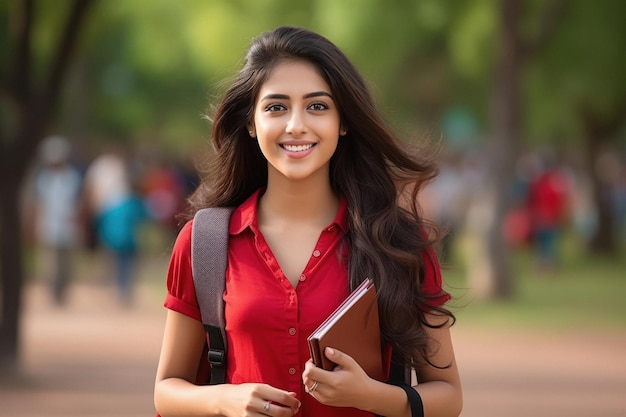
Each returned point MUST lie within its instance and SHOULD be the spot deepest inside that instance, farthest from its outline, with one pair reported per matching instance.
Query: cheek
(331, 131)
(266, 135)
(267, 126)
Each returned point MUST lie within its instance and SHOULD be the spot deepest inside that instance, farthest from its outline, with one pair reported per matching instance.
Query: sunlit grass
(584, 292)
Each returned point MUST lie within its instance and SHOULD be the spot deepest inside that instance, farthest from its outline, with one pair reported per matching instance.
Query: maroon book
(352, 328)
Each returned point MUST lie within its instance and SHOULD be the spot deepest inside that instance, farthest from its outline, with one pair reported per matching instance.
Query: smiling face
(296, 122)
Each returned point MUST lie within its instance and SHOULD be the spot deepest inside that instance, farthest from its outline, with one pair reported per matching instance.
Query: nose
(296, 124)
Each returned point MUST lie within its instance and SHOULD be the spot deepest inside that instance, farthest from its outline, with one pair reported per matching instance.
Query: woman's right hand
(175, 394)
(257, 400)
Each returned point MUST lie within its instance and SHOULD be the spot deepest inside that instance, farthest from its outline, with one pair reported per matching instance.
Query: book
(353, 328)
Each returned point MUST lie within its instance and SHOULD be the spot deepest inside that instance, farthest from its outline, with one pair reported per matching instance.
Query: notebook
(352, 328)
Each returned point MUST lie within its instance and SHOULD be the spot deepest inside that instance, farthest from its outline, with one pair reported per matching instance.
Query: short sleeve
(181, 294)
(432, 285)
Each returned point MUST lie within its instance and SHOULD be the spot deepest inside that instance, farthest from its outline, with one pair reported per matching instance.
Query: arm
(348, 385)
(175, 394)
(440, 389)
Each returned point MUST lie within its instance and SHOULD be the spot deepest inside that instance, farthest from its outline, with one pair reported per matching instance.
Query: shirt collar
(245, 216)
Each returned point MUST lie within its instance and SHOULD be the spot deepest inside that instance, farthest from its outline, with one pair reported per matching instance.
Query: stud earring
(343, 132)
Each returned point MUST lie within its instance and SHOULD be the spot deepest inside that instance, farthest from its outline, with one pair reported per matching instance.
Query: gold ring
(309, 390)
(266, 407)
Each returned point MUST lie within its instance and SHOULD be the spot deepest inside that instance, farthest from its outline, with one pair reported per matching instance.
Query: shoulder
(183, 240)
(181, 295)
(181, 251)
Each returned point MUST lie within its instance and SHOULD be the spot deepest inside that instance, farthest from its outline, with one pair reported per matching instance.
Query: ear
(251, 131)
(343, 131)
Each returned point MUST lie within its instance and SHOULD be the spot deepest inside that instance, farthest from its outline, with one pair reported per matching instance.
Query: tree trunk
(494, 278)
(13, 166)
(11, 273)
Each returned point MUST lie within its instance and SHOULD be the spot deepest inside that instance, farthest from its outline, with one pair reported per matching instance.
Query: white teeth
(297, 148)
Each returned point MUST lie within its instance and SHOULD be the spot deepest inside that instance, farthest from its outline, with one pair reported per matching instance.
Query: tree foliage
(145, 72)
(149, 72)
(583, 68)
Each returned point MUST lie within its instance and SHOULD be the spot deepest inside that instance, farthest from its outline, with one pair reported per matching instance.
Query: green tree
(29, 92)
(519, 31)
(577, 93)
(557, 72)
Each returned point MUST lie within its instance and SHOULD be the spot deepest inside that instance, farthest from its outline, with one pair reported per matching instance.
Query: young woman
(326, 197)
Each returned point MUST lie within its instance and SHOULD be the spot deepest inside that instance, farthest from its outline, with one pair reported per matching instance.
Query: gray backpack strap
(209, 259)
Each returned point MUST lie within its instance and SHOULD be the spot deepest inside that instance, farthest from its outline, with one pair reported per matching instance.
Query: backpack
(209, 259)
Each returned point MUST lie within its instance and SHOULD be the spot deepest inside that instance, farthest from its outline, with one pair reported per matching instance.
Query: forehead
(293, 77)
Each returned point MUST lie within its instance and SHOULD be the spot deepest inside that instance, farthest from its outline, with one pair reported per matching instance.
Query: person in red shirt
(547, 206)
(326, 197)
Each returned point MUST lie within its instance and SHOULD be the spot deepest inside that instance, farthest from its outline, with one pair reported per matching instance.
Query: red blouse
(267, 319)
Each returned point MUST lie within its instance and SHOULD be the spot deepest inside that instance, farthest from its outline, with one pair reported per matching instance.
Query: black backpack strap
(209, 259)
(399, 374)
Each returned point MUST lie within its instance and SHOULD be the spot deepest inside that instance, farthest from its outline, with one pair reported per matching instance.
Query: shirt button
(302, 277)
(316, 253)
(292, 371)
(292, 331)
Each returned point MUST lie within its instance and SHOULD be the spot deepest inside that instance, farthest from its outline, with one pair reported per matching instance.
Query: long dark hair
(379, 176)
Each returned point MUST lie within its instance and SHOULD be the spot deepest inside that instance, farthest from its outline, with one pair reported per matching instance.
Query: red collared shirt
(267, 319)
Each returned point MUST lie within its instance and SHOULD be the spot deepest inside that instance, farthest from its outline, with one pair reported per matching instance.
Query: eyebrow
(286, 97)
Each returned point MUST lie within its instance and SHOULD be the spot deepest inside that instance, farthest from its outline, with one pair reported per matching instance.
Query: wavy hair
(379, 175)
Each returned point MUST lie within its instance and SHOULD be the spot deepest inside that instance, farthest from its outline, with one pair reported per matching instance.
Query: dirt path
(94, 358)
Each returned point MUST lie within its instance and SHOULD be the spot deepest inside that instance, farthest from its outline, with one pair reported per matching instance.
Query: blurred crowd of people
(551, 195)
(100, 204)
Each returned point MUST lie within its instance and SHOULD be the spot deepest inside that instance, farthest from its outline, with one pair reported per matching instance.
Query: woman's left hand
(345, 386)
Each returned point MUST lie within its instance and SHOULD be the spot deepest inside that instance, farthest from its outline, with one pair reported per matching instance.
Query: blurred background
(102, 127)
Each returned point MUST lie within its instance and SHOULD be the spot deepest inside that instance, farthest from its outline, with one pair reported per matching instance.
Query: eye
(275, 107)
(318, 106)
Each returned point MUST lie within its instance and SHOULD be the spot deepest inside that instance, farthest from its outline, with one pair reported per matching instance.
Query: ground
(94, 358)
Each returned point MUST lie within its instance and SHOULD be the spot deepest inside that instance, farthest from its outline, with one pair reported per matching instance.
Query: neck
(306, 202)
